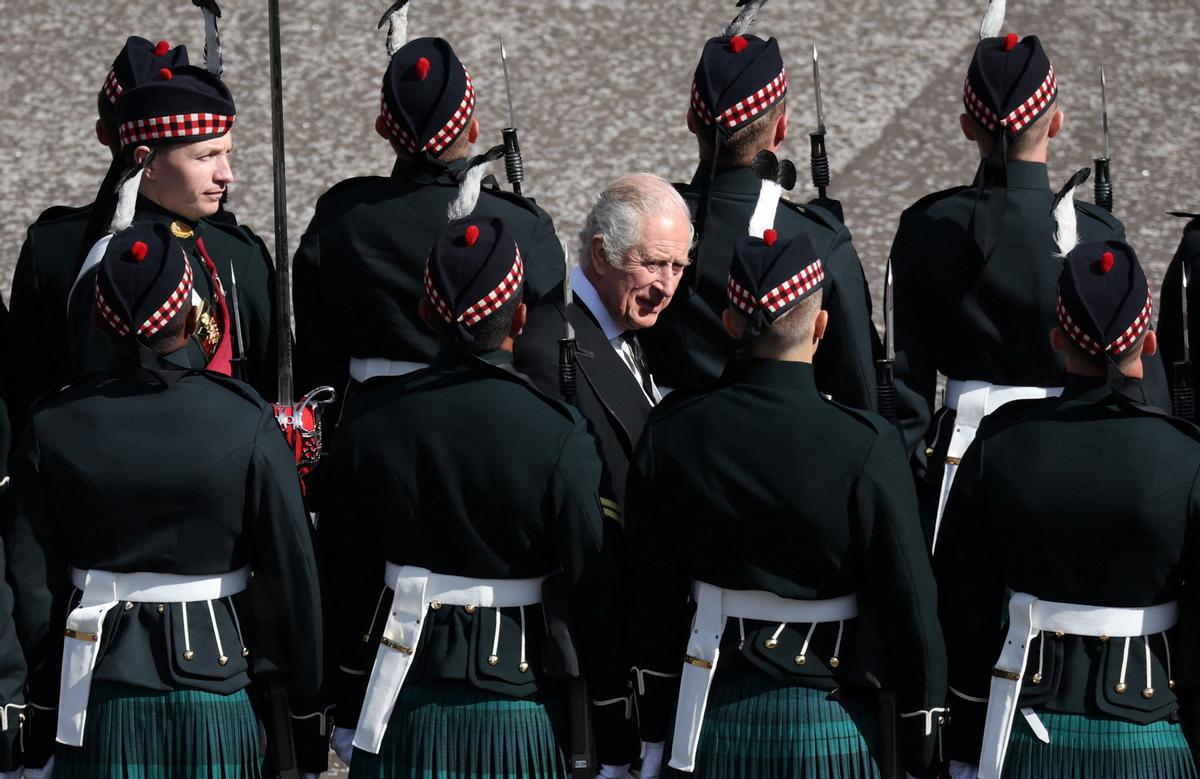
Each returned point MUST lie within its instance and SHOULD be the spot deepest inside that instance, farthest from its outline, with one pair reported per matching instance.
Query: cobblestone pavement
(601, 88)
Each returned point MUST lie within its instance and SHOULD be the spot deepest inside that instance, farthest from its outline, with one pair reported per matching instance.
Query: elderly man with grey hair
(632, 252)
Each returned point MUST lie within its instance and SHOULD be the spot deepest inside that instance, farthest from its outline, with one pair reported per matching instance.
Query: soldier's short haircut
(619, 211)
(740, 148)
(489, 333)
(1133, 352)
(794, 327)
(1026, 141)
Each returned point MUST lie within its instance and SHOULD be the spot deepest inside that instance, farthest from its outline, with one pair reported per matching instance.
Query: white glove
(45, 772)
(613, 771)
(652, 754)
(960, 770)
(342, 742)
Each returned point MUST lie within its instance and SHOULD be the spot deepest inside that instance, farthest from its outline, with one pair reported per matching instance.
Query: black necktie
(639, 361)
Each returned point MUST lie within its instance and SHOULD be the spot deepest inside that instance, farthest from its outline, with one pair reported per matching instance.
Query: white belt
(415, 589)
(363, 368)
(1027, 617)
(103, 590)
(713, 606)
(972, 401)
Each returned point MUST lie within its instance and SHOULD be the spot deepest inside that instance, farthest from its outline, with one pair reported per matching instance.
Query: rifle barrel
(283, 308)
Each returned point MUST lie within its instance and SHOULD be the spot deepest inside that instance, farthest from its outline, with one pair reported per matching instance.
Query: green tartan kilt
(756, 727)
(1082, 747)
(449, 729)
(136, 733)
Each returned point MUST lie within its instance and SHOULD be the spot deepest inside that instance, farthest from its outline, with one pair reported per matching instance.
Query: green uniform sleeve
(971, 603)
(845, 363)
(545, 266)
(915, 338)
(29, 349)
(287, 594)
(899, 595)
(320, 358)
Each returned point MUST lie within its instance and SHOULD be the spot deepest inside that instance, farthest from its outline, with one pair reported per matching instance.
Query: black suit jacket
(609, 395)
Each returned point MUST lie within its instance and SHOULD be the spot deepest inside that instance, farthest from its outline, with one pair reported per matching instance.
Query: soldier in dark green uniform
(975, 268)
(738, 108)
(1171, 310)
(111, 535)
(359, 265)
(791, 521)
(1083, 513)
(467, 525)
(175, 134)
(49, 257)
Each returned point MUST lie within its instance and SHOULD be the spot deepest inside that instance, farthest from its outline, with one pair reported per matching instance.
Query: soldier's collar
(733, 180)
(779, 374)
(1084, 390)
(1021, 175)
(149, 211)
(134, 360)
(423, 170)
(452, 357)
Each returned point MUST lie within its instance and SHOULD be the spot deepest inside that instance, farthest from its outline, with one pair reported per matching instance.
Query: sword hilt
(1183, 397)
(1102, 185)
(514, 166)
(885, 389)
(820, 162)
(567, 379)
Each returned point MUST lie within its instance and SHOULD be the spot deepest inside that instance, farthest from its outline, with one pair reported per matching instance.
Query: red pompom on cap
(1106, 262)
(165, 74)
(161, 49)
(1010, 41)
(738, 44)
(422, 67)
(770, 237)
(139, 250)
(471, 235)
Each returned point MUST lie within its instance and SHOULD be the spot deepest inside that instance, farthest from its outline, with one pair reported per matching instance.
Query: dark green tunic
(359, 270)
(688, 347)
(464, 469)
(1170, 311)
(1083, 499)
(171, 471)
(764, 485)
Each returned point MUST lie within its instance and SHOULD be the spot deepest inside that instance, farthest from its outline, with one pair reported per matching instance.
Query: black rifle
(885, 369)
(1183, 399)
(514, 165)
(820, 158)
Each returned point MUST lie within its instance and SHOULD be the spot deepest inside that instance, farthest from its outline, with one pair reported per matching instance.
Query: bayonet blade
(567, 299)
(817, 86)
(512, 116)
(1187, 349)
(889, 346)
(1104, 107)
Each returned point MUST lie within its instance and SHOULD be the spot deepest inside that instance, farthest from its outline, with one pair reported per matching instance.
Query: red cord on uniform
(161, 49)
(165, 74)
(472, 235)
(1010, 41)
(139, 250)
(422, 68)
(738, 44)
(770, 236)
(1106, 262)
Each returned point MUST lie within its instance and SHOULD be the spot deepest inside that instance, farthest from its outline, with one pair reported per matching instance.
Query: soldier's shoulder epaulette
(1014, 412)
(814, 213)
(59, 214)
(522, 202)
(676, 402)
(239, 232)
(349, 187)
(67, 390)
(868, 419)
(1099, 214)
(236, 386)
(933, 200)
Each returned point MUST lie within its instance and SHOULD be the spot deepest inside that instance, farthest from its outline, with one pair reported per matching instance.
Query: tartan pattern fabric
(436, 299)
(159, 318)
(112, 87)
(136, 733)
(487, 305)
(1127, 338)
(1021, 116)
(1098, 746)
(158, 128)
(794, 288)
(756, 726)
(451, 729)
(739, 298)
(746, 109)
(444, 136)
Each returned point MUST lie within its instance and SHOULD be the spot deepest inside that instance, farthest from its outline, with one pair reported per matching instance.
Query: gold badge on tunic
(181, 229)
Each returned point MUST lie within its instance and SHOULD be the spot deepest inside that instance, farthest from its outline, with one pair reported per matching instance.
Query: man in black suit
(632, 252)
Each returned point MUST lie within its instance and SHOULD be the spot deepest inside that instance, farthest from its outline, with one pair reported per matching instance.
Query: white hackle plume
(127, 193)
(1066, 232)
(763, 218)
(397, 21)
(993, 20)
(741, 23)
(471, 182)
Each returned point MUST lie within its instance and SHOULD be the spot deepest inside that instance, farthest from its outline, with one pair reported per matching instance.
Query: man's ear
(426, 311)
(473, 131)
(691, 122)
(102, 134)
(381, 129)
(139, 156)
(597, 257)
(967, 126)
(1150, 344)
(518, 321)
(733, 325)
(820, 324)
(1058, 340)
(192, 322)
(781, 128)
(1056, 124)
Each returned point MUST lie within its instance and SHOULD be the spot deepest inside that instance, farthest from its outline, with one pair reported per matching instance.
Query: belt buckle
(80, 635)
(698, 662)
(1011, 676)
(390, 644)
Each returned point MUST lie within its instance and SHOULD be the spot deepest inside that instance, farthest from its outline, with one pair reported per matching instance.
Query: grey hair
(619, 210)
